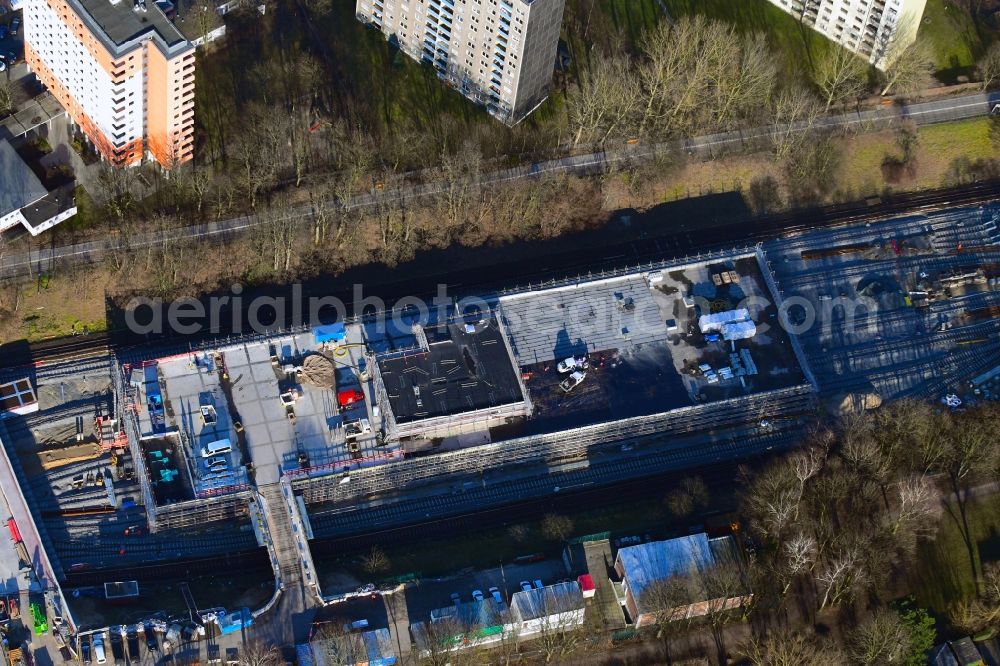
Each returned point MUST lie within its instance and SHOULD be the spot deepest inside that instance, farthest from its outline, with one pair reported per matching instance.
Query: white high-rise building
(867, 27)
(499, 53)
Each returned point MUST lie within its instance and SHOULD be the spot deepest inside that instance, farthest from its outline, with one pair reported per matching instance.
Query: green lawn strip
(971, 138)
(953, 38)
(941, 574)
(489, 547)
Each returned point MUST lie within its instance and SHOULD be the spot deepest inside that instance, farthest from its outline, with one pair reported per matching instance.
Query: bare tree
(771, 499)
(118, 185)
(743, 77)
(969, 456)
(988, 67)
(882, 639)
(257, 653)
(6, 97)
(909, 68)
(914, 506)
(557, 527)
(840, 76)
(793, 114)
(982, 612)
(798, 556)
(560, 633)
(792, 648)
(607, 101)
(690, 495)
(669, 600)
(375, 561)
(841, 575)
(806, 464)
(673, 74)
(340, 647)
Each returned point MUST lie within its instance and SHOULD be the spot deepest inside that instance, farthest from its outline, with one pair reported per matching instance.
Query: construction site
(251, 452)
(899, 308)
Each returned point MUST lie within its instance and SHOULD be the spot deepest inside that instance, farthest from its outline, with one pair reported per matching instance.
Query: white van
(98, 642)
(215, 448)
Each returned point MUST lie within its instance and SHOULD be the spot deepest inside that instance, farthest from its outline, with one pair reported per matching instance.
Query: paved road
(709, 146)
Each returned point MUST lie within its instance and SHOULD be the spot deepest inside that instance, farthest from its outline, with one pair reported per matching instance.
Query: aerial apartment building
(123, 72)
(866, 27)
(498, 53)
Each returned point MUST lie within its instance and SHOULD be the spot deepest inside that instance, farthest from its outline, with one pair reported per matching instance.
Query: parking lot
(12, 45)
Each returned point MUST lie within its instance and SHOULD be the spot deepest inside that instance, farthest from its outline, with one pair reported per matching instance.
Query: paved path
(708, 146)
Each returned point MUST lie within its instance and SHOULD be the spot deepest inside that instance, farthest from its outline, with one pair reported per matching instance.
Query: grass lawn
(489, 547)
(941, 572)
(954, 38)
(937, 149)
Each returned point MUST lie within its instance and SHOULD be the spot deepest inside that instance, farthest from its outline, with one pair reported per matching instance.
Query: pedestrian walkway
(289, 620)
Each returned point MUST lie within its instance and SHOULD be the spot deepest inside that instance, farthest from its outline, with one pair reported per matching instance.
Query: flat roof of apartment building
(121, 24)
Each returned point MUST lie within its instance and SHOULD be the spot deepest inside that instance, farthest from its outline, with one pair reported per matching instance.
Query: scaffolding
(198, 512)
(190, 513)
(558, 447)
(765, 269)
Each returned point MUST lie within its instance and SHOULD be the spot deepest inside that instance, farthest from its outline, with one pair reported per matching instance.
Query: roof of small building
(19, 186)
(550, 600)
(647, 563)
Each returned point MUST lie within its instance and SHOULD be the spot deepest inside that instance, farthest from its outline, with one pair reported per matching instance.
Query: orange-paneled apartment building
(123, 72)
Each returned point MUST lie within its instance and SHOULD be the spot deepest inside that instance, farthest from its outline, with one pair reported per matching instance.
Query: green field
(953, 37)
(941, 573)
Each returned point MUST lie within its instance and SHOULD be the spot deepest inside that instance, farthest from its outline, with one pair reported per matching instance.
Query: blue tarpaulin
(233, 622)
(329, 333)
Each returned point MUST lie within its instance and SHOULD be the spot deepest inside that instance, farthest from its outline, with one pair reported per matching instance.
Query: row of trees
(833, 530)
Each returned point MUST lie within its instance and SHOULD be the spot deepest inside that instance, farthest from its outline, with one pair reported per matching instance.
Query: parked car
(456, 598)
(538, 584)
(15, 25)
(477, 595)
(151, 643)
(572, 381)
(495, 593)
(525, 586)
(3, 65)
(573, 363)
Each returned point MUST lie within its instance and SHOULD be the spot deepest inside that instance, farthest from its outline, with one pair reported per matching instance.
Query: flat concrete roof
(19, 186)
(583, 318)
(119, 25)
(465, 367)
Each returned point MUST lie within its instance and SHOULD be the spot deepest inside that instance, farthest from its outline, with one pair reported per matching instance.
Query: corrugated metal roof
(550, 600)
(647, 563)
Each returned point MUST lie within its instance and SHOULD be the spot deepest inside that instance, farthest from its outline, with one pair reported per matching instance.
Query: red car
(348, 397)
